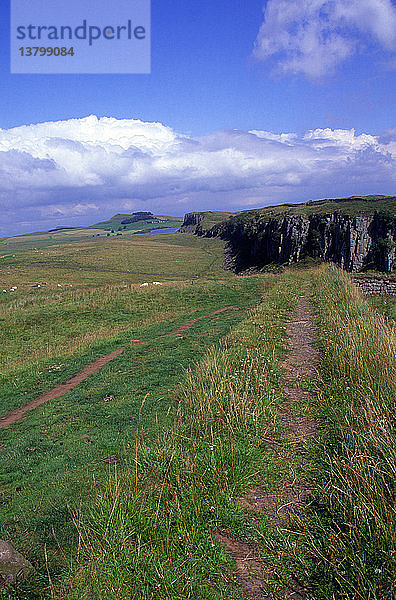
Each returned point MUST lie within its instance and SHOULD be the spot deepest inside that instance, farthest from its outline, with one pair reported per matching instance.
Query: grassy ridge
(353, 206)
(151, 222)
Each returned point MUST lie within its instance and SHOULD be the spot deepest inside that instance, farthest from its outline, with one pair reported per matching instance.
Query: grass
(155, 222)
(49, 459)
(147, 534)
(41, 331)
(348, 546)
(384, 305)
(187, 416)
(54, 236)
(178, 256)
(352, 206)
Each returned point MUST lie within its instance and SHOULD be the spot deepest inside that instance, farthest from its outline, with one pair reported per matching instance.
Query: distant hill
(137, 221)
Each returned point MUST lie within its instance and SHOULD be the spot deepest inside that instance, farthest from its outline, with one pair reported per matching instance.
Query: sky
(247, 104)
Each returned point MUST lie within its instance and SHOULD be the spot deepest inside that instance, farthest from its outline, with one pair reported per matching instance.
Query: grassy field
(186, 416)
(109, 228)
(347, 545)
(182, 255)
(51, 332)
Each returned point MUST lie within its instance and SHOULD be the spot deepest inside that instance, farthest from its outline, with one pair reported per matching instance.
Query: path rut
(62, 389)
(255, 573)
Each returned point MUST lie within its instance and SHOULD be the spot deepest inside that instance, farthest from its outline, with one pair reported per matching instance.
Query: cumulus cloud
(312, 37)
(80, 170)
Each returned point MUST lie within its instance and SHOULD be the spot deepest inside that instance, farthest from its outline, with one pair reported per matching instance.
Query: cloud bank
(78, 171)
(313, 37)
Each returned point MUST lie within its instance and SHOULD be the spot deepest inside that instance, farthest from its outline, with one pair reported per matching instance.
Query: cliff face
(352, 242)
(191, 221)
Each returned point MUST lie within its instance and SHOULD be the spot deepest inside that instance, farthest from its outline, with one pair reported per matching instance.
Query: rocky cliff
(191, 222)
(353, 242)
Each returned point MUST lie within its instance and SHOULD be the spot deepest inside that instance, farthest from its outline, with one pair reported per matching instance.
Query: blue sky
(315, 69)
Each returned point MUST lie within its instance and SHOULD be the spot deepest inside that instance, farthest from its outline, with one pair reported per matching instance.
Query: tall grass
(147, 533)
(351, 547)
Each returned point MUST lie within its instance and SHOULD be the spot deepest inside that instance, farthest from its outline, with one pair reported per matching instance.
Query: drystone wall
(376, 285)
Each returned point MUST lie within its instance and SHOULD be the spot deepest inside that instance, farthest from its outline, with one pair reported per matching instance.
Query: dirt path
(254, 572)
(62, 389)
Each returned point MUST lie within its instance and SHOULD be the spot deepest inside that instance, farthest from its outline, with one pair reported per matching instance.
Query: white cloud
(312, 37)
(78, 171)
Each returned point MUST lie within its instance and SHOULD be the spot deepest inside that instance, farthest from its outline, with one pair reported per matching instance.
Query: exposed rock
(353, 242)
(13, 566)
(191, 221)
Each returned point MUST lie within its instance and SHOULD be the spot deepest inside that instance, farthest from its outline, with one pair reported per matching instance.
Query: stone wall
(374, 285)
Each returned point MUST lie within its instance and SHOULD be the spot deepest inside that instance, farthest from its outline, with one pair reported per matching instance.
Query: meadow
(114, 490)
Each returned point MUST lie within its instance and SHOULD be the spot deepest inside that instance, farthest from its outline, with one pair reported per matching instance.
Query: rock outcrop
(191, 223)
(352, 242)
(13, 566)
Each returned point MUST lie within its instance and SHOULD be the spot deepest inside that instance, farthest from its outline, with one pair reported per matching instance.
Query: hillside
(137, 221)
(162, 442)
(352, 206)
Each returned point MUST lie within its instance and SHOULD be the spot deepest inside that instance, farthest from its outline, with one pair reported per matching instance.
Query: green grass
(147, 533)
(47, 460)
(43, 239)
(155, 222)
(178, 256)
(71, 327)
(187, 416)
(384, 305)
(347, 546)
(352, 206)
